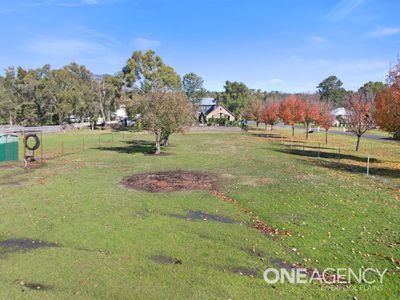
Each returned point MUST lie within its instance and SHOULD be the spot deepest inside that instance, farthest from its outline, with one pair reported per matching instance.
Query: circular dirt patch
(171, 181)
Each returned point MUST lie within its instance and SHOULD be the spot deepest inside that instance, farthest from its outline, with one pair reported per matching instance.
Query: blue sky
(285, 45)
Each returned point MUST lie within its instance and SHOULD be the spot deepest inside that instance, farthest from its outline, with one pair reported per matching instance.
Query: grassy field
(103, 237)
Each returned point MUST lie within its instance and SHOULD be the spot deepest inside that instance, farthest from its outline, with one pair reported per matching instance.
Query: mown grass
(107, 234)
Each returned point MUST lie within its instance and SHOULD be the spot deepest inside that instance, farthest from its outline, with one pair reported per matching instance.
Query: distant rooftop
(339, 111)
(207, 101)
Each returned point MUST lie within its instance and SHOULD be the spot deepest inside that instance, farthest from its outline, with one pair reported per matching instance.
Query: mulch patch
(171, 181)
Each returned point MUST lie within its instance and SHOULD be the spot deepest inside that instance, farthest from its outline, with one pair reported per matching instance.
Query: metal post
(41, 147)
(368, 165)
(6, 147)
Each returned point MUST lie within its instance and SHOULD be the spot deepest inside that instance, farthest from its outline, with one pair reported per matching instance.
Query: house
(121, 114)
(340, 115)
(209, 109)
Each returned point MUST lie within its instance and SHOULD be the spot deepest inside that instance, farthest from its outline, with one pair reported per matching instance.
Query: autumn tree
(270, 113)
(291, 111)
(253, 110)
(311, 111)
(165, 113)
(359, 110)
(325, 118)
(388, 105)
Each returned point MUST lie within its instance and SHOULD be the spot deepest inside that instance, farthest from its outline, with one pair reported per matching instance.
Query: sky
(283, 45)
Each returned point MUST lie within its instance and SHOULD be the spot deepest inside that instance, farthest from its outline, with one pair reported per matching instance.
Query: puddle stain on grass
(245, 272)
(20, 245)
(35, 286)
(199, 215)
(162, 259)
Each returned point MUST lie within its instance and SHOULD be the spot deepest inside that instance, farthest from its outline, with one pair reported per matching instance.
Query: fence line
(312, 147)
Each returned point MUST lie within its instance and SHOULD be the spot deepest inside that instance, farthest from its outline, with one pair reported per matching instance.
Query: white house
(121, 114)
(340, 115)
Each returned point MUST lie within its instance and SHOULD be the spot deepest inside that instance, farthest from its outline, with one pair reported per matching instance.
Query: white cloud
(344, 8)
(145, 44)
(276, 81)
(318, 39)
(385, 31)
(62, 47)
(65, 3)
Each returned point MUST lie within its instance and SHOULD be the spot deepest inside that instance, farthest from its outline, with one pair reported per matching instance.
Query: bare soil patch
(171, 181)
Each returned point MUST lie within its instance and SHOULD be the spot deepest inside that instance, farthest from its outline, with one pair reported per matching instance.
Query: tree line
(374, 104)
(167, 102)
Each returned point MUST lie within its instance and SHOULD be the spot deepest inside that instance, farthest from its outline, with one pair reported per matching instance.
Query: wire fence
(62, 144)
(336, 156)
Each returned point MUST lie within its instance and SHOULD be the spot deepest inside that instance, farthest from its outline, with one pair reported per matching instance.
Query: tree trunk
(326, 136)
(257, 123)
(272, 125)
(293, 130)
(166, 141)
(10, 120)
(158, 146)
(102, 112)
(307, 125)
(358, 142)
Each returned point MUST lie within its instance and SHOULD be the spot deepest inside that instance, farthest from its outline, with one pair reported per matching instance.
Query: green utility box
(8, 147)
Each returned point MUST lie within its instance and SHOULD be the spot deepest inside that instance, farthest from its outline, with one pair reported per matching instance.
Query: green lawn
(106, 234)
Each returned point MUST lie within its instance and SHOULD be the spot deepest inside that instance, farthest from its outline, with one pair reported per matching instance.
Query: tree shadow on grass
(136, 146)
(323, 154)
(336, 164)
(384, 172)
(268, 135)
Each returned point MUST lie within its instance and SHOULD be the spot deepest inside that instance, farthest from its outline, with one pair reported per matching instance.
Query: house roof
(214, 107)
(207, 101)
(339, 111)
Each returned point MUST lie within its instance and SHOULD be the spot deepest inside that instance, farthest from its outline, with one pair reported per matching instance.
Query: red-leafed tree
(359, 114)
(388, 105)
(291, 111)
(311, 112)
(325, 119)
(270, 113)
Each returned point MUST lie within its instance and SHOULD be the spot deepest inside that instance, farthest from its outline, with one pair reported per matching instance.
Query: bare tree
(359, 112)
